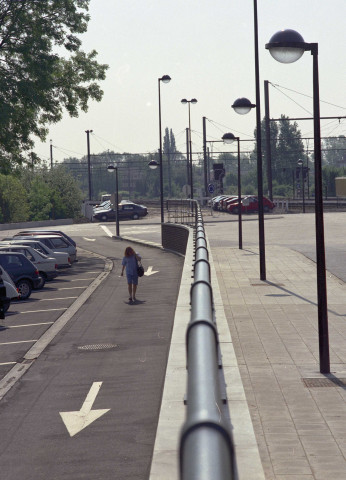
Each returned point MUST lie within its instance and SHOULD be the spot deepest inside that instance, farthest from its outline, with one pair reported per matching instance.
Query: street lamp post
(300, 164)
(164, 79)
(111, 169)
(288, 46)
(193, 101)
(89, 166)
(242, 106)
(229, 138)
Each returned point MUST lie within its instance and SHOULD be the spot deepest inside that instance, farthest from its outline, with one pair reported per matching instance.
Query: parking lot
(27, 320)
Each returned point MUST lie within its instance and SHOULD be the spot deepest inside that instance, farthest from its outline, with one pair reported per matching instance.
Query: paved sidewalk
(299, 415)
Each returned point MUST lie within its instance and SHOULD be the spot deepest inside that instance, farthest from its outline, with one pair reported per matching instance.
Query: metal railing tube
(206, 447)
(205, 443)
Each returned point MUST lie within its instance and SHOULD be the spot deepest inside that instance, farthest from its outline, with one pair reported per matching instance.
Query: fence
(206, 447)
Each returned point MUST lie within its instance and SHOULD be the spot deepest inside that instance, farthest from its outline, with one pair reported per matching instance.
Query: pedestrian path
(298, 414)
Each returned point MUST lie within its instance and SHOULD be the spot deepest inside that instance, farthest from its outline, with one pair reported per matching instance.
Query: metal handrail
(206, 446)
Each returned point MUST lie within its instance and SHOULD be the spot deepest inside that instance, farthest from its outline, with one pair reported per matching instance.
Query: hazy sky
(207, 47)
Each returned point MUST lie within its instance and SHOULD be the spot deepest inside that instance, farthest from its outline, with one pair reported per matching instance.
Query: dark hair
(129, 251)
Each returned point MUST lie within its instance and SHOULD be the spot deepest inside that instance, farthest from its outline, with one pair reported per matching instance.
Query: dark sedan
(23, 273)
(126, 210)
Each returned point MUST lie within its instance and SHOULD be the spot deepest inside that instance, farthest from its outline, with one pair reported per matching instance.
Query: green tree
(39, 200)
(13, 200)
(335, 151)
(66, 197)
(37, 82)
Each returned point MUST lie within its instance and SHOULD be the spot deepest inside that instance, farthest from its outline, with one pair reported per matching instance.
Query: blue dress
(131, 269)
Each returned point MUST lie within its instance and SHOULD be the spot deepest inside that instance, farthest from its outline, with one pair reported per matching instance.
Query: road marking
(89, 239)
(45, 310)
(106, 230)
(22, 341)
(8, 363)
(78, 420)
(70, 288)
(81, 279)
(53, 299)
(150, 271)
(31, 325)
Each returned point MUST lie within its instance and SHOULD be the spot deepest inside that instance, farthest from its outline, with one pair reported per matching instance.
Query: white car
(62, 258)
(46, 266)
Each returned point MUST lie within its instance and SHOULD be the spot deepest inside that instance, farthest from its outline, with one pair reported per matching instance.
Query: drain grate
(98, 346)
(324, 382)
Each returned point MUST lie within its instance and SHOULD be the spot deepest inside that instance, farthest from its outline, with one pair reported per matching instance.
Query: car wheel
(24, 288)
(104, 218)
(135, 216)
(235, 211)
(42, 282)
(266, 209)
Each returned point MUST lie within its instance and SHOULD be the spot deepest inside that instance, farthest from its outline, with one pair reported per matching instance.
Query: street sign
(211, 188)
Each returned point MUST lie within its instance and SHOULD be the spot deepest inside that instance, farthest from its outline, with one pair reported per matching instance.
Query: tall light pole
(230, 138)
(89, 167)
(164, 79)
(111, 169)
(287, 46)
(300, 164)
(193, 101)
(51, 154)
(242, 106)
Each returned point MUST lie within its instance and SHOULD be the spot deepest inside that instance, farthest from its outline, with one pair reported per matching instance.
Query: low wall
(175, 237)
(43, 223)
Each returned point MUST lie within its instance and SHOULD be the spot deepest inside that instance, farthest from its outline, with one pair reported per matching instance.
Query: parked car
(225, 201)
(126, 210)
(249, 204)
(48, 232)
(62, 258)
(23, 273)
(215, 201)
(46, 266)
(11, 290)
(57, 243)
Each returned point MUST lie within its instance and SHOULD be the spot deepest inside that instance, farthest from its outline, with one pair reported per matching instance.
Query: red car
(250, 205)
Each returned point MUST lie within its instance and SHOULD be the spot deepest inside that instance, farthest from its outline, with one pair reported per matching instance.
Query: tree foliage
(13, 200)
(42, 70)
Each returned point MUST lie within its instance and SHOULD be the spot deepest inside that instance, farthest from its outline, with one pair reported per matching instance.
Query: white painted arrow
(77, 421)
(150, 271)
(89, 239)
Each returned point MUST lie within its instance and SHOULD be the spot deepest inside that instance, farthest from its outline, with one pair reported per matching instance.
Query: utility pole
(51, 154)
(89, 167)
(205, 163)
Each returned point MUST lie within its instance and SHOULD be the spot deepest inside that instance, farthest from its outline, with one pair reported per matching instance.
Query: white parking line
(46, 310)
(79, 279)
(8, 363)
(31, 325)
(70, 288)
(53, 299)
(22, 341)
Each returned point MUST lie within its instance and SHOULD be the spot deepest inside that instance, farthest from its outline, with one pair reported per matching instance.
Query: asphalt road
(88, 407)
(294, 231)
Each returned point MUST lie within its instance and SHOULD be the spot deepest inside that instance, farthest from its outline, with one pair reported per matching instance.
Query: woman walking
(130, 262)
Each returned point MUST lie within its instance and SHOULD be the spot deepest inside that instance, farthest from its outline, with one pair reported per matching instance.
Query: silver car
(62, 258)
(57, 243)
(46, 266)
